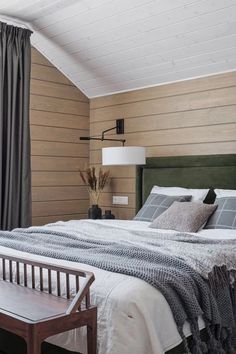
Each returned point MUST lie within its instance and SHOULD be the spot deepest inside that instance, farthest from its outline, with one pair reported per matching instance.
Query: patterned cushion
(156, 204)
(184, 217)
(225, 215)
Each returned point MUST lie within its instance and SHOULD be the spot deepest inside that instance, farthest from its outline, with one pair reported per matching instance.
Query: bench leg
(92, 334)
(33, 346)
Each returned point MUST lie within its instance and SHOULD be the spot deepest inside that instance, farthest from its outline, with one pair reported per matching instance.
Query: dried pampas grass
(94, 184)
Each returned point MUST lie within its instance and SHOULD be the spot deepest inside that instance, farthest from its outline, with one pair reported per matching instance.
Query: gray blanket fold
(196, 276)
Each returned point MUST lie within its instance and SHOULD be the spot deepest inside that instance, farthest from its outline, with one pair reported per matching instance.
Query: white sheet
(133, 317)
(219, 234)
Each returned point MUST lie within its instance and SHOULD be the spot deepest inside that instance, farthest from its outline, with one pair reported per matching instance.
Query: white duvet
(133, 317)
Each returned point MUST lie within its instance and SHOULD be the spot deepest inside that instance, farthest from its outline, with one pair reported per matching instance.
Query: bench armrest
(18, 270)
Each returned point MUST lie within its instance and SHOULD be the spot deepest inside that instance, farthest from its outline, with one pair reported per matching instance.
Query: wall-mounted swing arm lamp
(119, 156)
(119, 130)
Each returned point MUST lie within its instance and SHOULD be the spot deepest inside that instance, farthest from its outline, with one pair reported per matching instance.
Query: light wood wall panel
(52, 148)
(42, 220)
(194, 117)
(59, 115)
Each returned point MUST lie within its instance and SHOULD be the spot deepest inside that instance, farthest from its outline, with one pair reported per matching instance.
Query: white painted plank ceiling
(108, 46)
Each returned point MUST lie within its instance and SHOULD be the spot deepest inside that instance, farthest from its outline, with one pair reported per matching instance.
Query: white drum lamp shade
(125, 155)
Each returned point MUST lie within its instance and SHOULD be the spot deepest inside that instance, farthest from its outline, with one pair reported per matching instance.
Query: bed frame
(215, 171)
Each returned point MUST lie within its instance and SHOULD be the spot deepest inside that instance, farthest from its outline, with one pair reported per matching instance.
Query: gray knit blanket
(196, 275)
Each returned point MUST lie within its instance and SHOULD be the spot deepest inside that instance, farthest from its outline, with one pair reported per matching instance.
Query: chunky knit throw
(196, 275)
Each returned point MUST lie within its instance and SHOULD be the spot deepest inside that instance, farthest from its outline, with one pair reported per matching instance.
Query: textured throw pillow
(225, 215)
(184, 217)
(156, 204)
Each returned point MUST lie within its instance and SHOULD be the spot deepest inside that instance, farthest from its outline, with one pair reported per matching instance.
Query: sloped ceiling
(108, 46)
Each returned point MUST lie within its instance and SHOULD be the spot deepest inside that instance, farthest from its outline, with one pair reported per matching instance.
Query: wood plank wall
(59, 115)
(194, 117)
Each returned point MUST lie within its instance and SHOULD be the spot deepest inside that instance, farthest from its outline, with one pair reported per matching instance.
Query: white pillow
(197, 194)
(221, 193)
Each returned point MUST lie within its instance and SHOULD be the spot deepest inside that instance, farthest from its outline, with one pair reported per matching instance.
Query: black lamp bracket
(119, 130)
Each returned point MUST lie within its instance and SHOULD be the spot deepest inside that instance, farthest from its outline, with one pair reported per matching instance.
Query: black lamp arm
(105, 131)
(119, 130)
(101, 139)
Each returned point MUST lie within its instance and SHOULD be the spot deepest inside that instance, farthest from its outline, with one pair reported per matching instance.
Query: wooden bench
(32, 305)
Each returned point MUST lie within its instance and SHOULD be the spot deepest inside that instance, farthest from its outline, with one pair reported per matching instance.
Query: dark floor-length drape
(15, 173)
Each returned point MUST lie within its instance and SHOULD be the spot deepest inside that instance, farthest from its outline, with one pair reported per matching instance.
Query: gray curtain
(15, 171)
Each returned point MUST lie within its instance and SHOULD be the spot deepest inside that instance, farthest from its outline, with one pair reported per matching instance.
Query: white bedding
(133, 317)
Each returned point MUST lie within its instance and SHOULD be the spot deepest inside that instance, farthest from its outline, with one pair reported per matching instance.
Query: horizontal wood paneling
(121, 185)
(59, 116)
(210, 133)
(59, 120)
(42, 220)
(66, 135)
(178, 88)
(48, 73)
(193, 149)
(67, 164)
(55, 208)
(106, 200)
(184, 102)
(195, 117)
(178, 150)
(51, 148)
(48, 178)
(123, 171)
(41, 194)
(52, 89)
(58, 105)
(36, 58)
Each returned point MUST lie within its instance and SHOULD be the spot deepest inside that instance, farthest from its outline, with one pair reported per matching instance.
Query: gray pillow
(156, 204)
(225, 215)
(184, 217)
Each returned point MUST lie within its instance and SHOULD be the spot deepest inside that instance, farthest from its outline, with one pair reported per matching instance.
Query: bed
(129, 309)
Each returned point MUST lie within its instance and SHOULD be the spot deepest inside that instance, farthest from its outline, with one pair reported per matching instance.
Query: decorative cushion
(225, 215)
(184, 217)
(220, 193)
(197, 194)
(156, 204)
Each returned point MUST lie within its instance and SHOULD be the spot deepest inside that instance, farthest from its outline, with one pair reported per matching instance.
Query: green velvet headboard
(212, 171)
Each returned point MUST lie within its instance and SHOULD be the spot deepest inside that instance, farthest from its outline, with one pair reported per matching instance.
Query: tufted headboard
(211, 171)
